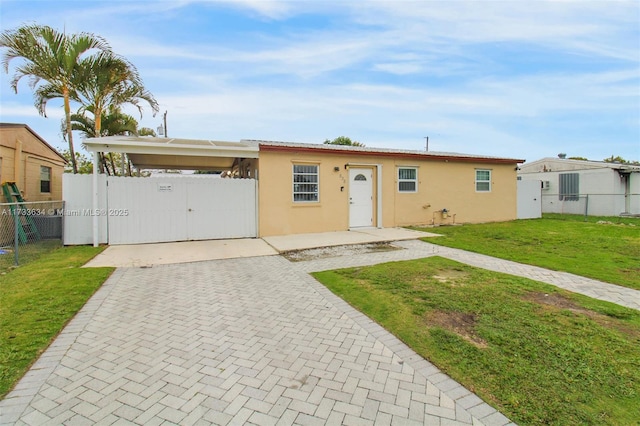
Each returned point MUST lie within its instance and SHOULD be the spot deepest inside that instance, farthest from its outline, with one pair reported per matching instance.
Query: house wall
(21, 155)
(601, 192)
(441, 184)
(634, 198)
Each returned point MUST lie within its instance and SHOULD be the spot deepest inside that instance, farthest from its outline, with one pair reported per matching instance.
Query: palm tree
(113, 122)
(52, 57)
(107, 82)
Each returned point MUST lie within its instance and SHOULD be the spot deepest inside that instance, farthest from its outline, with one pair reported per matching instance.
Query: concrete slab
(140, 255)
(137, 255)
(284, 243)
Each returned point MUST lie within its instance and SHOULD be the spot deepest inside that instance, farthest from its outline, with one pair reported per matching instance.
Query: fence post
(62, 225)
(16, 241)
(586, 208)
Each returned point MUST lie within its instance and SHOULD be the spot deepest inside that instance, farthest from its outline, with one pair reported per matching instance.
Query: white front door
(360, 197)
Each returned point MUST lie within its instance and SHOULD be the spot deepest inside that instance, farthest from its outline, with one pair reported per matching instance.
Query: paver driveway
(251, 340)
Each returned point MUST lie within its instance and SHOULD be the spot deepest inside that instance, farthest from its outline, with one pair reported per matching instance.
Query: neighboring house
(585, 187)
(299, 188)
(29, 161)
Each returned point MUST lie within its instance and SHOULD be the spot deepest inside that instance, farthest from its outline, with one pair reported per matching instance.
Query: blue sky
(516, 78)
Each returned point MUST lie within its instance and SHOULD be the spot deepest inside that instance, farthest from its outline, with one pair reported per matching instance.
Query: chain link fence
(592, 204)
(28, 230)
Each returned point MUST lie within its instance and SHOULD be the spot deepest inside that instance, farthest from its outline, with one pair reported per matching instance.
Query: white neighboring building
(596, 188)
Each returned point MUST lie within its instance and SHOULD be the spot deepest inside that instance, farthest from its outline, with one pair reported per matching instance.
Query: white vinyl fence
(163, 209)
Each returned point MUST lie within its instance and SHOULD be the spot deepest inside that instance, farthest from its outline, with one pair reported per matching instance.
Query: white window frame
(48, 172)
(483, 181)
(294, 183)
(405, 180)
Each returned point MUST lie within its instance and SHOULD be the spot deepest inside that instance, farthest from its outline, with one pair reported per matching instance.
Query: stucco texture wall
(441, 185)
(22, 154)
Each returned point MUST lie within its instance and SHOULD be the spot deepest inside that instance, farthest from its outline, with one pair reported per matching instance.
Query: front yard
(539, 354)
(37, 301)
(602, 248)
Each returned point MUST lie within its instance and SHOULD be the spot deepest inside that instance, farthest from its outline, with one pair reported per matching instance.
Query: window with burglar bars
(407, 179)
(569, 184)
(45, 179)
(483, 180)
(305, 183)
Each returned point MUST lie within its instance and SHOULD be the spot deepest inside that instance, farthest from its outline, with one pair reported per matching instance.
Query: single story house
(29, 161)
(595, 188)
(299, 188)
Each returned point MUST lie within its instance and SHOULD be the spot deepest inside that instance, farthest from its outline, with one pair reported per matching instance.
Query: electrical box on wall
(546, 184)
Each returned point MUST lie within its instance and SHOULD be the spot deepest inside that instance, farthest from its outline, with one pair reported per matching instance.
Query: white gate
(180, 208)
(529, 199)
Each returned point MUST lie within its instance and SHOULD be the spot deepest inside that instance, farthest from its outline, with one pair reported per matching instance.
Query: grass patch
(37, 301)
(537, 353)
(608, 251)
(26, 253)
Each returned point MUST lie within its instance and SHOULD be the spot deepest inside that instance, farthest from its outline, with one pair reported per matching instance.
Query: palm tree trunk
(113, 164)
(67, 115)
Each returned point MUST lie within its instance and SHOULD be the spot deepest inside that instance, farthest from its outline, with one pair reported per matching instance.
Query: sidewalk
(416, 249)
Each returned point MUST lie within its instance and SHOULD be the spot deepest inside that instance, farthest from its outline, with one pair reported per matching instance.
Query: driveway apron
(237, 341)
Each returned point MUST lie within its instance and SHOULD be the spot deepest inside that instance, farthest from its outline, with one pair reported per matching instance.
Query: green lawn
(538, 354)
(37, 300)
(607, 252)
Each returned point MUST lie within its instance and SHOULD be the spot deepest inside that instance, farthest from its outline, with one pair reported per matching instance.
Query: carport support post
(94, 201)
(379, 206)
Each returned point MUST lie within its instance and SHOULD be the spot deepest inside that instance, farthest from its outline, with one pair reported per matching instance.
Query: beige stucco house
(296, 188)
(318, 188)
(29, 161)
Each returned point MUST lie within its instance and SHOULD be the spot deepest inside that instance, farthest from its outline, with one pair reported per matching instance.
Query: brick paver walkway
(240, 341)
(415, 249)
(251, 341)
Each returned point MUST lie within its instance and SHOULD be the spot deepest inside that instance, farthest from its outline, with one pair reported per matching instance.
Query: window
(360, 176)
(305, 183)
(483, 180)
(45, 179)
(569, 186)
(407, 179)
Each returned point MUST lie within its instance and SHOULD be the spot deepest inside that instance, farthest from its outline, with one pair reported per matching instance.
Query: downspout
(96, 228)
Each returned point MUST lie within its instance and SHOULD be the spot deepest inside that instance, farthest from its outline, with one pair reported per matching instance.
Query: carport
(189, 207)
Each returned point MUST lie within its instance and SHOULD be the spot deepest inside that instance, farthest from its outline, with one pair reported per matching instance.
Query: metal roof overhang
(172, 153)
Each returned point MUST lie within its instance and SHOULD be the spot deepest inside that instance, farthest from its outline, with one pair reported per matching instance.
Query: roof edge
(37, 136)
(269, 147)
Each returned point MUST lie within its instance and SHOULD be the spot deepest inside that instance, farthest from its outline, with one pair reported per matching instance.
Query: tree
(579, 158)
(51, 57)
(343, 140)
(106, 81)
(114, 122)
(146, 131)
(620, 160)
(85, 166)
(102, 83)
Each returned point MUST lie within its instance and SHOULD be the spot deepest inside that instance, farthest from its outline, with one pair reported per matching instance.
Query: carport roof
(152, 152)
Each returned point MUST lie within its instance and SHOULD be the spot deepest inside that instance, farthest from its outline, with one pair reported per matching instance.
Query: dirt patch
(449, 275)
(556, 300)
(335, 251)
(460, 323)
